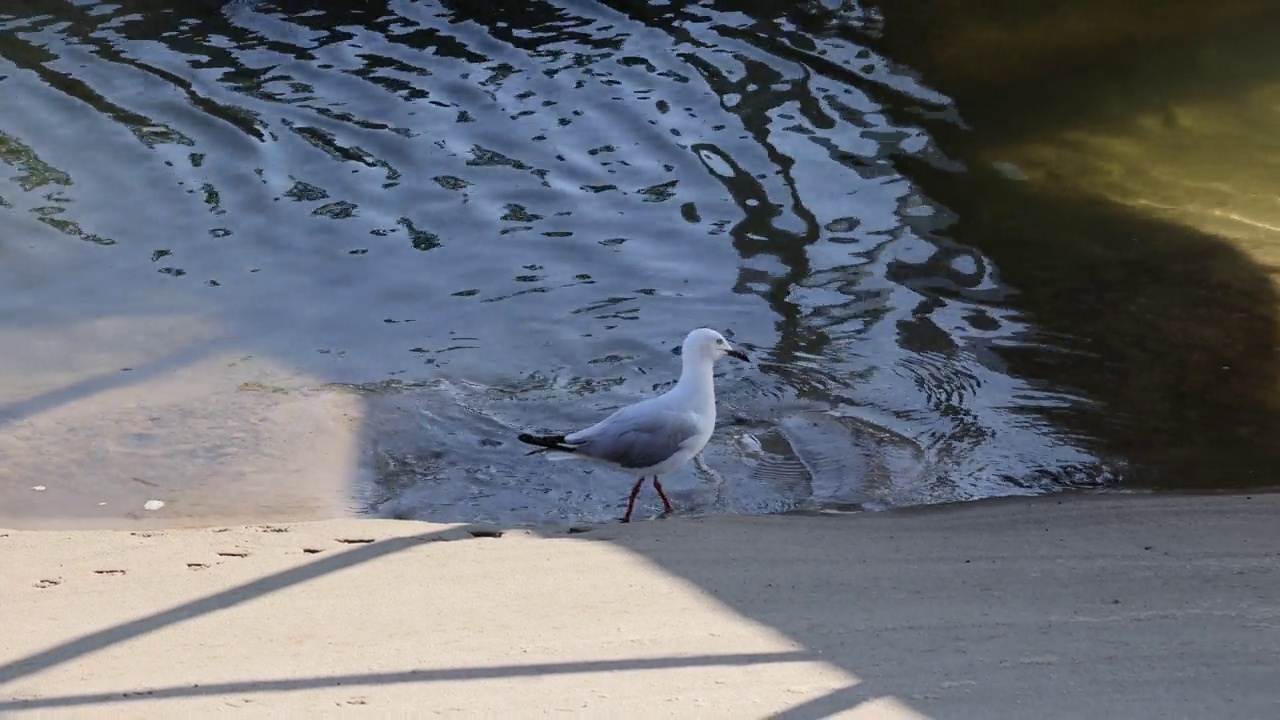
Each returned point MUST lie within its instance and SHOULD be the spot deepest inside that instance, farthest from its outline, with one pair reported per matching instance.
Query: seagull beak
(738, 354)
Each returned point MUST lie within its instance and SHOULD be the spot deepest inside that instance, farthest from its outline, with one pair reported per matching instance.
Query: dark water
(485, 218)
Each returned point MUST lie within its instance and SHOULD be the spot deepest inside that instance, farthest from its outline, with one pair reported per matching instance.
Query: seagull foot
(666, 504)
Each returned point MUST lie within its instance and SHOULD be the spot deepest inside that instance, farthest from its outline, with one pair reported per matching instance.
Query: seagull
(658, 435)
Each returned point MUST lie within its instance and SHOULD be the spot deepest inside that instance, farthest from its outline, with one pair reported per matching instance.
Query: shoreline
(165, 519)
(1107, 604)
(141, 520)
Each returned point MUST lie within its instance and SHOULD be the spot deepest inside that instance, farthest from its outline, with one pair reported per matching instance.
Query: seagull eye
(719, 342)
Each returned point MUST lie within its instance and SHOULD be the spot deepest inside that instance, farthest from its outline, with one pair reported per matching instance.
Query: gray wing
(637, 436)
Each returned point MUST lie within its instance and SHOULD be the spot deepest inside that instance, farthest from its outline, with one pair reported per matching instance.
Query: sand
(1085, 606)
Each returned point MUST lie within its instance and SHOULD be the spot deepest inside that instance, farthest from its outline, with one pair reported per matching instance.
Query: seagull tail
(545, 443)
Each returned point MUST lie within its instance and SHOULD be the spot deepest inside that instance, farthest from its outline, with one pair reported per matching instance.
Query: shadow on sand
(1002, 604)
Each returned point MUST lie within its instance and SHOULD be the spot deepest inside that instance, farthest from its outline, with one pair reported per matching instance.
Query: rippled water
(490, 218)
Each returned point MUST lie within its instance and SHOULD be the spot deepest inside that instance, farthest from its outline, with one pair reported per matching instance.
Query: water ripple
(469, 200)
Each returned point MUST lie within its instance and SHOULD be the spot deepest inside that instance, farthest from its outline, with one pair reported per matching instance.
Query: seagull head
(709, 344)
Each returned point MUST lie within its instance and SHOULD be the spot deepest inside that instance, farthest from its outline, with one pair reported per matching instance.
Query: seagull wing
(639, 436)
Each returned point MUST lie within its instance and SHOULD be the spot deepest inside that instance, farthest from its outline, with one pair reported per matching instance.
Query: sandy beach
(1084, 606)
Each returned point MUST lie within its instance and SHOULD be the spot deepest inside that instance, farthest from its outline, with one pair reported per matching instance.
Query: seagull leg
(631, 501)
(666, 504)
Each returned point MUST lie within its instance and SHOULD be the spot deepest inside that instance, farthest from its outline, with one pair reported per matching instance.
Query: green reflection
(1123, 176)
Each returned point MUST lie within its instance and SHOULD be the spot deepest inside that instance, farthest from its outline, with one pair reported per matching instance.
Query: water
(280, 259)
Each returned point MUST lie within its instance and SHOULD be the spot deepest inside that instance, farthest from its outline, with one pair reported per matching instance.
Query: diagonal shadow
(73, 649)
(824, 706)
(417, 676)
(105, 382)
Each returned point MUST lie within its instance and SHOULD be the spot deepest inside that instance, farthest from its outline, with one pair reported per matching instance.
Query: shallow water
(427, 227)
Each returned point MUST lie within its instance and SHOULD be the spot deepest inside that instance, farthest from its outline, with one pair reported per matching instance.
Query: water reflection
(485, 218)
(1138, 224)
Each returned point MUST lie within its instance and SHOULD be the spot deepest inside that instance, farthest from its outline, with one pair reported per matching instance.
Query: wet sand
(166, 409)
(1083, 606)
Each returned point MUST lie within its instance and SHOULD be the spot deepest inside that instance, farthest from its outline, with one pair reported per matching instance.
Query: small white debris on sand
(38, 488)
(153, 505)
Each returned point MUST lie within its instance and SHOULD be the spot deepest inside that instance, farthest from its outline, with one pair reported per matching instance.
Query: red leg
(631, 501)
(666, 504)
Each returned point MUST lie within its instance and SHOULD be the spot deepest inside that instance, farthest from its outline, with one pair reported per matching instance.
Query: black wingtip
(545, 442)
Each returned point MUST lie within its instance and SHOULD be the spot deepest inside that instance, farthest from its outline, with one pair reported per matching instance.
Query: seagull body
(658, 435)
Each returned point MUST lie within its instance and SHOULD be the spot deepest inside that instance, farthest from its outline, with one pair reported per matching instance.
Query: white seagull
(658, 435)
